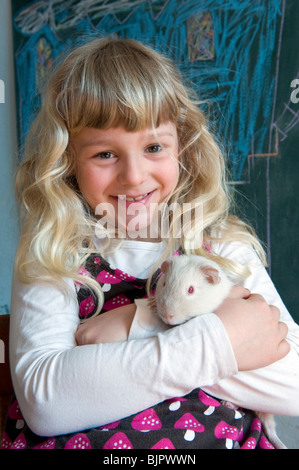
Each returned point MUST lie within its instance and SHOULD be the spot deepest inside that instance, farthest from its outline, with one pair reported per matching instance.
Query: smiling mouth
(134, 199)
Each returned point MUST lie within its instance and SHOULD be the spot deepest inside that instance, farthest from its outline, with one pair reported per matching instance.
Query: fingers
(239, 292)
(283, 349)
(275, 312)
(259, 299)
(282, 330)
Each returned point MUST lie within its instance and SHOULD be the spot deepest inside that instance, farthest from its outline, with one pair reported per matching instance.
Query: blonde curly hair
(108, 83)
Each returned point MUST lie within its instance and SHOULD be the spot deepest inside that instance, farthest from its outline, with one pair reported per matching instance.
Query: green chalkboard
(240, 55)
(270, 198)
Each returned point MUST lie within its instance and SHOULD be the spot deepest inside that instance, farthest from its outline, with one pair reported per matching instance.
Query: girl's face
(127, 173)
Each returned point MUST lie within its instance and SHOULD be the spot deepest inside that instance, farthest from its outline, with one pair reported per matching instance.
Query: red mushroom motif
(265, 444)
(19, 443)
(48, 444)
(117, 301)
(188, 422)
(79, 441)
(14, 412)
(6, 442)
(175, 403)
(86, 306)
(97, 260)
(118, 441)
(108, 426)
(146, 421)
(124, 276)
(241, 435)
(209, 401)
(83, 272)
(227, 432)
(250, 443)
(164, 444)
(107, 279)
(256, 425)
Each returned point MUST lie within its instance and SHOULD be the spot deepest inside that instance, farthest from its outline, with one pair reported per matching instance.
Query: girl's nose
(133, 171)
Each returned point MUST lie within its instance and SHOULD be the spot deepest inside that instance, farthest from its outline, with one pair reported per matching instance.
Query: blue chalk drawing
(226, 50)
(28, 90)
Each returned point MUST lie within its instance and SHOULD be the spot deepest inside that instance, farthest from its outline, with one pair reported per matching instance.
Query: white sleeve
(63, 388)
(273, 389)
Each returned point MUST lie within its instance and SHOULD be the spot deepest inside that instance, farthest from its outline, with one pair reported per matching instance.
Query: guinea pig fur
(190, 285)
(193, 285)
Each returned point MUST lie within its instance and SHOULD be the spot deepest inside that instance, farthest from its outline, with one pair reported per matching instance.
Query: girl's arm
(53, 376)
(275, 388)
(256, 335)
(63, 388)
(109, 327)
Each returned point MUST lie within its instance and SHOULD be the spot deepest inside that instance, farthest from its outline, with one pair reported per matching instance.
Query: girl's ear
(211, 274)
(72, 181)
(71, 157)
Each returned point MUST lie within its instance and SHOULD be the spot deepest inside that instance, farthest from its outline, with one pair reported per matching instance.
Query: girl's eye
(191, 290)
(104, 155)
(154, 149)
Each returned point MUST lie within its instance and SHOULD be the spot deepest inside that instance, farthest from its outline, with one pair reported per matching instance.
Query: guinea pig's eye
(191, 290)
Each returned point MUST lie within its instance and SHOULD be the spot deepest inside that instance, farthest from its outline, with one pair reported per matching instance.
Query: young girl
(118, 137)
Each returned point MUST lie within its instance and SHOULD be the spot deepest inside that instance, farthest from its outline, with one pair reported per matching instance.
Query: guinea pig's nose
(169, 318)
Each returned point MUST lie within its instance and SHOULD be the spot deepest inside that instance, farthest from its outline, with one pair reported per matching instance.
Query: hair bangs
(117, 84)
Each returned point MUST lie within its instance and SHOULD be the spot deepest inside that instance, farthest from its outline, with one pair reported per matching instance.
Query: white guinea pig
(189, 286)
(192, 285)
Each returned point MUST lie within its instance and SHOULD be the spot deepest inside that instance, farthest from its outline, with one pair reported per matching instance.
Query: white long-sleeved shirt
(63, 388)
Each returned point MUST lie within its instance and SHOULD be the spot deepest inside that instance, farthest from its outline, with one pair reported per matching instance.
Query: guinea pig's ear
(211, 274)
(164, 266)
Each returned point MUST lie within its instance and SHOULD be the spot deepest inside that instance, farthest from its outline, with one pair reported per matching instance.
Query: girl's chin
(140, 226)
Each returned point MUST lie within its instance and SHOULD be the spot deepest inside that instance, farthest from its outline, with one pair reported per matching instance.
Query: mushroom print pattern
(118, 301)
(118, 441)
(265, 444)
(249, 443)
(79, 441)
(19, 443)
(106, 427)
(188, 422)
(119, 288)
(107, 280)
(14, 412)
(209, 401)
(227, 432)
(194, 421)
(175, 403)
(164, 444)
(6, 442)
(87, 306)
(48, 444)
(146, 421)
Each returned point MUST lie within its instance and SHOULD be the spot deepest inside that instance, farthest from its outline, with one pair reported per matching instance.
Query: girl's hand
(255, 332)
(109, 327)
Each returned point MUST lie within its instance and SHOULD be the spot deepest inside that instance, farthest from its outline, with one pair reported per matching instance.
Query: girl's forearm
(109, 327)
(53, 376)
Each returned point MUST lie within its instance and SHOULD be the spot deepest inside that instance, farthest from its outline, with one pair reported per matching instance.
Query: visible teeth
(134, 198)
